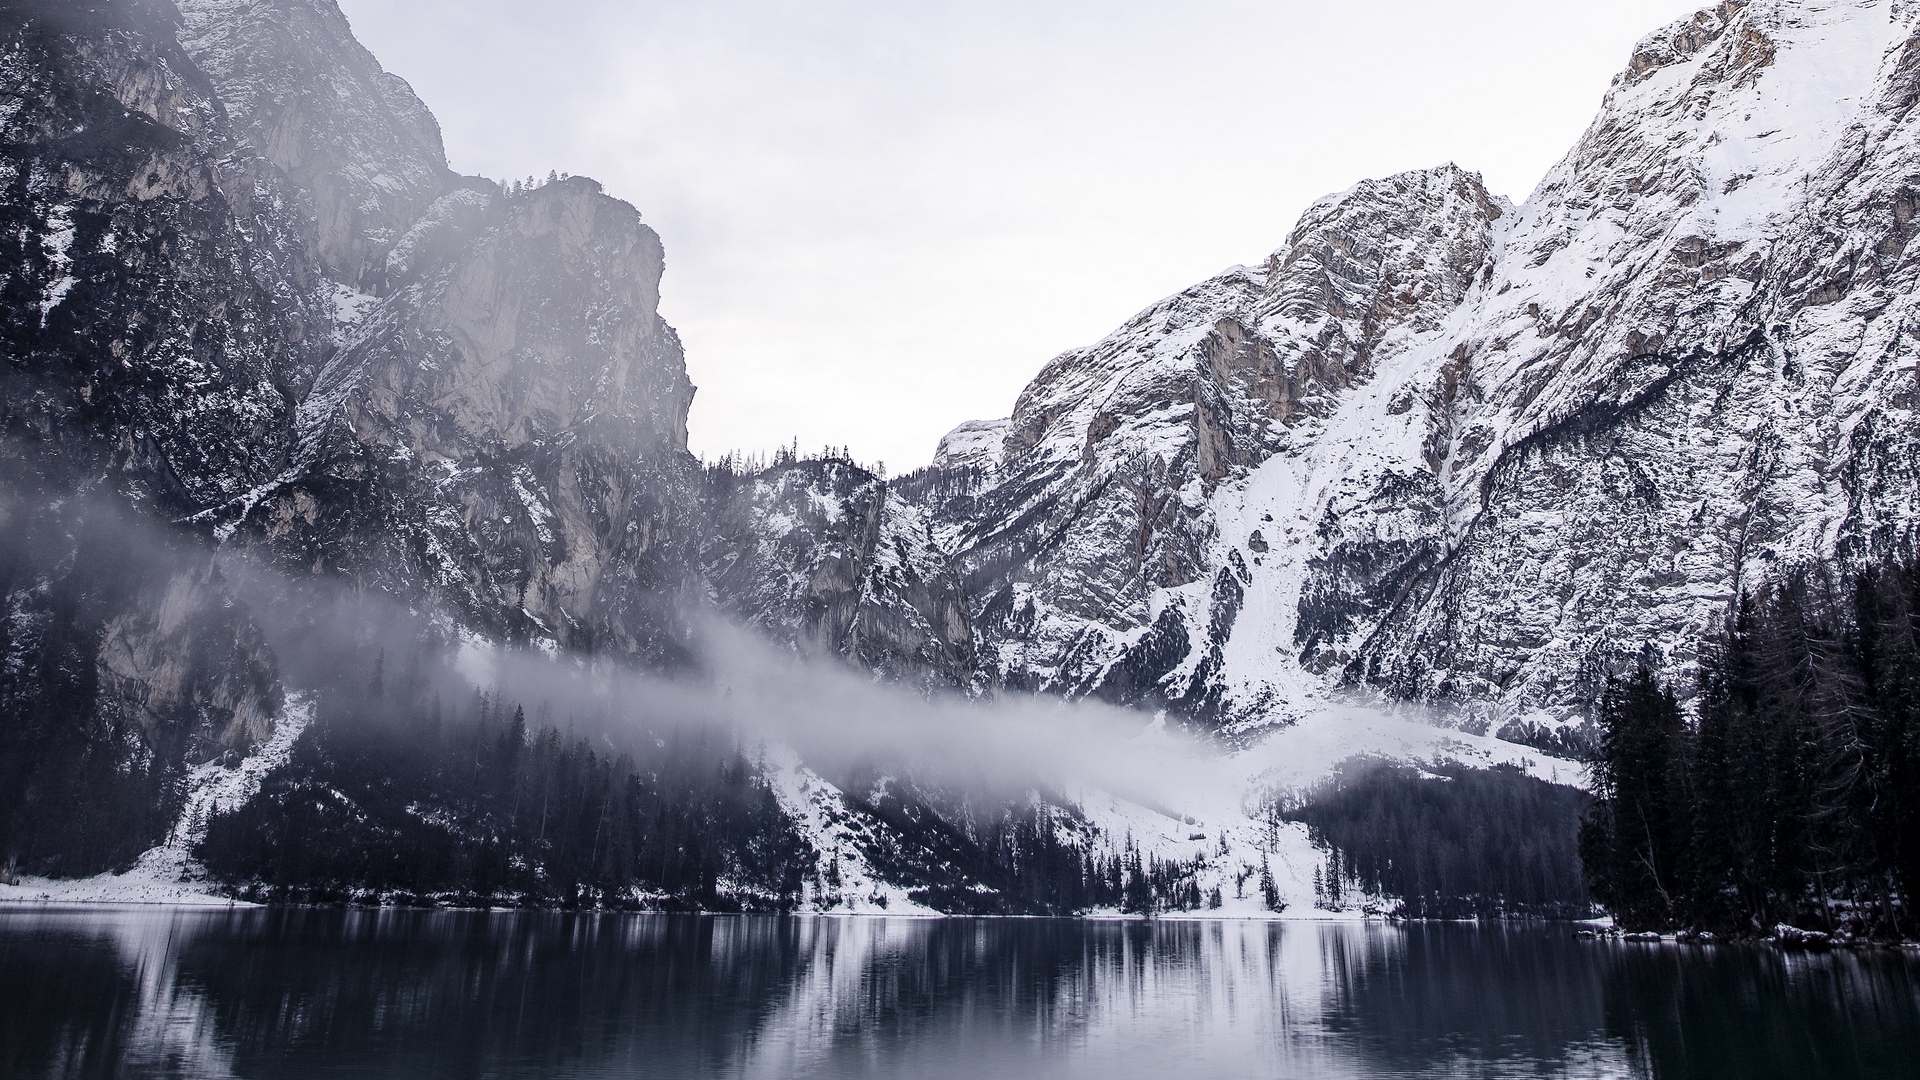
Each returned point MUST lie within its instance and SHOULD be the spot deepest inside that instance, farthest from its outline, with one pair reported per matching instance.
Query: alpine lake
(285, 992)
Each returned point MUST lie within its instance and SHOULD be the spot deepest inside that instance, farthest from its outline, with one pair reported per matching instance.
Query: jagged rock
(188, 655)
(160, 311)
(354, 140)
(505, 432)
(158, 308)
(246, 293)
(1092, 559)
(822, 554)
(1685, 371)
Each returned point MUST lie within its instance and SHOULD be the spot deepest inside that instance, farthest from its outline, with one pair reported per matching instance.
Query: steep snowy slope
(1093, 563)
(1478, 455)
(1688, 370)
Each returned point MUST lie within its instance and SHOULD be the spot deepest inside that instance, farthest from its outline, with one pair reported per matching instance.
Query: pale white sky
(882, 216)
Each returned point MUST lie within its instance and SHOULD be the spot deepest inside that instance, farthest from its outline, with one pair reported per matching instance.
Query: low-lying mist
(738, 685)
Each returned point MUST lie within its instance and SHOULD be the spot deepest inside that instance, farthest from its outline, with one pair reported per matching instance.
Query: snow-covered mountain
(1438, 446)
(1472, 453)
(1095, 557)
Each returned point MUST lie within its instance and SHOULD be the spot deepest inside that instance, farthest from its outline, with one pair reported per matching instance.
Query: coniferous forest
(1789, 791)
(392, 796)
(1449, 843)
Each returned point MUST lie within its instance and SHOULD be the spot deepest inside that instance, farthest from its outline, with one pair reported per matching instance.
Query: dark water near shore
(288, 993)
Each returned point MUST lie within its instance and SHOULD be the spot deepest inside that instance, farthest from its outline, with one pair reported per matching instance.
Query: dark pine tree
(1631, 839)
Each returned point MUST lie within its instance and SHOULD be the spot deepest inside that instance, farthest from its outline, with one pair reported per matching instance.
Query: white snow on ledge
(974, 443)
(168, 874)
(819, 811)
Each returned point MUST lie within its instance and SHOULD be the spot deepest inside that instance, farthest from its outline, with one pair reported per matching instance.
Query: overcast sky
(882, 216)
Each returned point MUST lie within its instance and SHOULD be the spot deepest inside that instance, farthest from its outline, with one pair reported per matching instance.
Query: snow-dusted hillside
(1094, 562)
(1478, 454)
(361, 151)
(823, 555)
(1181, 803)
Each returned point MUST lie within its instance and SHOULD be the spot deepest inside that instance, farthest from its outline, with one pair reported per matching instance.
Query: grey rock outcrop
(159, 311)
(1685, 375)
(824, 555)
(504, 434)
(353, 140)
(156, 300)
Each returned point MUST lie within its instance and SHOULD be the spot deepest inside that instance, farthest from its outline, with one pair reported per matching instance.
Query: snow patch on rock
(168, 873)
(844, 882)
(976, 444)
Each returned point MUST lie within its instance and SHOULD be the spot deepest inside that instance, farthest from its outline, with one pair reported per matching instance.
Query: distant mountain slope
(1094, 561)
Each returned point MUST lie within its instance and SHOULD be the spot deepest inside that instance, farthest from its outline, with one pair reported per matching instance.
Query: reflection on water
(285, 993)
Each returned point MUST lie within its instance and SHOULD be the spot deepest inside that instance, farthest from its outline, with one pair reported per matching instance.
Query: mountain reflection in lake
(294, 993)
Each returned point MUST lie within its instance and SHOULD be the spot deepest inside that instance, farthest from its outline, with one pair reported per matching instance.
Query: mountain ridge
(1666, 204)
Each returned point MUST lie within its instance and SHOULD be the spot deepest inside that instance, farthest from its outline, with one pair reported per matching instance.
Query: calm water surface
(288, 993)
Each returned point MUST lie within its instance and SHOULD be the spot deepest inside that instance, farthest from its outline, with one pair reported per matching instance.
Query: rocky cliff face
(499, 424)
(824, 555)
(1678, 379)
(247, 297)
(1731, 394)
(158, 310)
(202, 210)
(505, 431)
(157, 301)
(1483, 455)
(354, 142)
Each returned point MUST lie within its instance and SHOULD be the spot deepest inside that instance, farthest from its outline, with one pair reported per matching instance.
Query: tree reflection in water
(286, 993)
